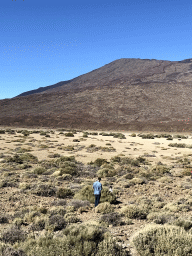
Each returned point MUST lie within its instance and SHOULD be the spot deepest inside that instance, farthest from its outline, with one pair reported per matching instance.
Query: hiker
(97, 186)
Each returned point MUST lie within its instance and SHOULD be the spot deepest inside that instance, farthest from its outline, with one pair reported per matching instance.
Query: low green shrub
(100, 161)
(112, 218)
(135, 211)
(79, 203)
(161, 217)
(44, 190)
(39, 170)
(29, 158)
(185, 223)
(7, 250)
(106, 172)
(4, 219)
(147, 136)
(116, 159)
(68, 168)
(25, 133)
(54, 155)
(71, 218)
(186, 172)
(78, 239)
(178, 145)
(104, 208)
(56, 222)
(13, 235)
(161, 240)
(69, 134)
(64, 193)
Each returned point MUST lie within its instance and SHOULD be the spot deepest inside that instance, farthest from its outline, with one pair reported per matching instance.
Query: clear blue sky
(43, 42)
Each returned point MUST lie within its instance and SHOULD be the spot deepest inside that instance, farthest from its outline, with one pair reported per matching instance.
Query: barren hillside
(124, 94)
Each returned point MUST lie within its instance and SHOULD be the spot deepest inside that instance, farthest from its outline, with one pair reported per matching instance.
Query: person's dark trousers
(97, 199)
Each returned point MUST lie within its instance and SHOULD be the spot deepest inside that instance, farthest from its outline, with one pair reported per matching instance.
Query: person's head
(99, 179)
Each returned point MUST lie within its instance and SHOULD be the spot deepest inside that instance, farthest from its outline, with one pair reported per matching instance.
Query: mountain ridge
(132, 94)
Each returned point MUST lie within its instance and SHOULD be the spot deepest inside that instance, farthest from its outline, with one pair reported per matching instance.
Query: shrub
(136, 181)
(104, 208)
(13, 235)
(112, 218)
(186, 172)
(76, 140)
(61, 202)
(71, 170)
(27, 157)
(10, 131)
(57, 222)
(16, 158)
(71, 218)
(160, 217)
(54, 155)
(69, 134)
(147, 136)
(93, 133)
(106, 172)
(2, 131)
(45, 190)
(55, 210)
(79, 203)
(159, 170)
(42, 133)
(6, 250)
(186, 224)
(116, 159)
(100, 161)
(81, 240)
(39, 170)
(4, 219)
(118, 135)
(58, 162)
(25, 133)
(68, 148)
(86, 193)
(129, 160)
(162, 240)
(64, 193)
(177, 145)
(135, 212)
(38, 225)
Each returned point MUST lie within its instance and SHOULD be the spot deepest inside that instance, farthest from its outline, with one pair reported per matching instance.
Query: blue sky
(47, 41)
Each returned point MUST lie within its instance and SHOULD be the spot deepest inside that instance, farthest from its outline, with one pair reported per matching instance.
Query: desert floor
(163, 191)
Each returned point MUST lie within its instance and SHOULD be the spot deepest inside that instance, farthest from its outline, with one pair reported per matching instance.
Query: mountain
(134, 94)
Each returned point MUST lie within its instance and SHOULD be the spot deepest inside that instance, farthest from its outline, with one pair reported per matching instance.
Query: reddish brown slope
(125, 94)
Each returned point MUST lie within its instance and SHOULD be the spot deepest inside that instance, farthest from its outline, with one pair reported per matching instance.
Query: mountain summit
(136, 94)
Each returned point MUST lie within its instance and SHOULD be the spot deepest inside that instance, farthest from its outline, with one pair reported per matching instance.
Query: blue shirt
(97, 186)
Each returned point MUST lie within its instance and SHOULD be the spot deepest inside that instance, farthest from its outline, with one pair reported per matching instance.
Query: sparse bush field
(48, 203)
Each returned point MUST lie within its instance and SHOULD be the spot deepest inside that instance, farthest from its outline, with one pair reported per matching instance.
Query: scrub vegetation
(47, 201)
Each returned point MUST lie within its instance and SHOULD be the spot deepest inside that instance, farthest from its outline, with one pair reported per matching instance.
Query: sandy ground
(156, 149)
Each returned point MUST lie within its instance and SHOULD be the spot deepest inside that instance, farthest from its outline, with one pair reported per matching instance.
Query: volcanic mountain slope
(131, 94)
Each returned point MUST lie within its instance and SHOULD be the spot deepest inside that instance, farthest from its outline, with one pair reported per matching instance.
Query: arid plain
(44, 172)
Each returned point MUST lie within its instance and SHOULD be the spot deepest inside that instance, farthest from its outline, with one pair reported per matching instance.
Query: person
(111, 189)
(97, 186)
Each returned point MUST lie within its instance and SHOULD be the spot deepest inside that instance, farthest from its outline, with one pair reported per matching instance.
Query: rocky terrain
(126, 94)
